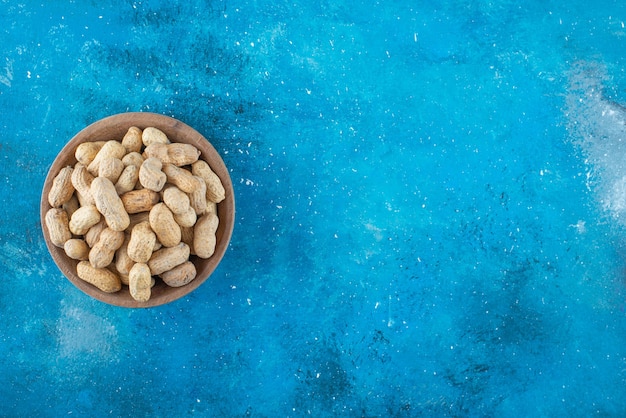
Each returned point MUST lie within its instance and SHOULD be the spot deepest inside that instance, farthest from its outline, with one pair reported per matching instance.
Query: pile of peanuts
(135, 209)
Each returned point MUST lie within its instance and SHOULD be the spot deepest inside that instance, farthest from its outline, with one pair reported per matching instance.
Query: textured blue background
(430, 215)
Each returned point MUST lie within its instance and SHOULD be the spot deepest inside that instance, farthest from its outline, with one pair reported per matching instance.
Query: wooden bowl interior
(114, 127)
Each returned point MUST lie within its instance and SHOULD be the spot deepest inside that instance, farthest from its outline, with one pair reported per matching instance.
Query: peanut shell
(164, 225)
(179, 275)
(204, 239)
(181, 178)
(57, 223)
(140, 282)
(132, 140)
(109, 204)
(77, 249)
(152, 135)
(215, 191)
(62, 188)
(104, 279)
(112, 149)
(167, 258)
(151, 175)
(142, 200)
(81, 180)
(83, 219)
(101, 255)
(141, 244)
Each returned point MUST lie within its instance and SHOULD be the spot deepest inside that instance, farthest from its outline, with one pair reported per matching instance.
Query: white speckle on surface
(24, 262)
(579, 226)
(8, 73)
(81, 332)
(378, 235)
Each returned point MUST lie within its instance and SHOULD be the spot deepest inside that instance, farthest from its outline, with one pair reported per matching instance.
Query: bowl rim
(177, 131)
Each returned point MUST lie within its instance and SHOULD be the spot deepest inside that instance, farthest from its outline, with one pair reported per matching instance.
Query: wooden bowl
(114, 127)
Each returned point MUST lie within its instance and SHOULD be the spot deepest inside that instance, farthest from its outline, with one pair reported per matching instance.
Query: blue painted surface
(430, 208)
